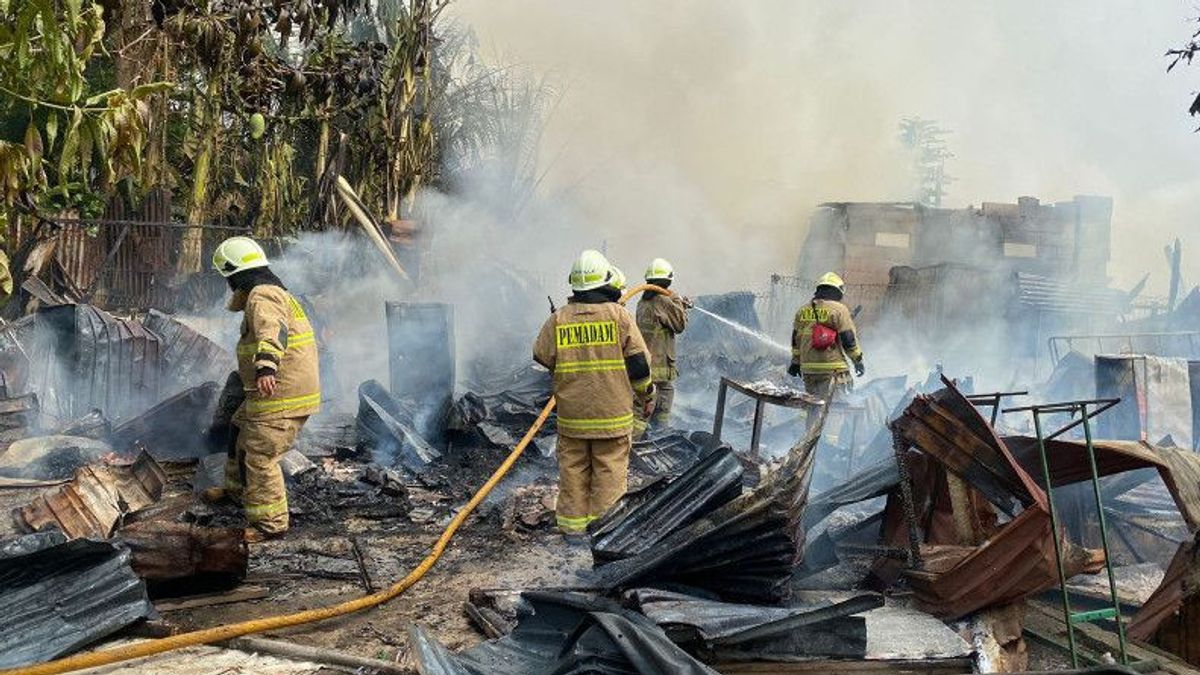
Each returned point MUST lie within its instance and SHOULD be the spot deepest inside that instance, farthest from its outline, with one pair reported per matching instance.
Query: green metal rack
(1086, 409)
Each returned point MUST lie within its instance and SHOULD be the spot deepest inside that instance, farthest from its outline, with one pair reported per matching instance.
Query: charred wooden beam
(168, 551)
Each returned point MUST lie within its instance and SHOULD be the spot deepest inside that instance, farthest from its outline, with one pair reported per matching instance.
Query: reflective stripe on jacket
(834, 315)
(660, 318)
(277, 337)
(585, 346)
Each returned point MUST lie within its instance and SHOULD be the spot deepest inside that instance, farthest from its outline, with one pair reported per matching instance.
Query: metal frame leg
(1112, 582)
(1058, 561)
(719, 419)
(756, 432)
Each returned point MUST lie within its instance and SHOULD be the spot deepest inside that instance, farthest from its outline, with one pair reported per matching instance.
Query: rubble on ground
(714, 558)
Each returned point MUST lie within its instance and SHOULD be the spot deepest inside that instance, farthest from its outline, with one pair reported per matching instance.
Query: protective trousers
(826, 386)
(252, 473)
(664, 398)
(592, 475)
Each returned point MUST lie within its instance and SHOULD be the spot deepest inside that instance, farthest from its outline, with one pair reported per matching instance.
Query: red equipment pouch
(823, 337)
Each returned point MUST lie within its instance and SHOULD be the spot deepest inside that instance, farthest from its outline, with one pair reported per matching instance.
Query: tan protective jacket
(835, 315)
(660, 318)
(585, 345)
(277, 337)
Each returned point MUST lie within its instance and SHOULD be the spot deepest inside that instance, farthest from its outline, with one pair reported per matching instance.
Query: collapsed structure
(907, 530)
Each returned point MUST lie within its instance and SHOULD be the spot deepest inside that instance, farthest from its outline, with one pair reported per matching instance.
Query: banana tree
(66, 137)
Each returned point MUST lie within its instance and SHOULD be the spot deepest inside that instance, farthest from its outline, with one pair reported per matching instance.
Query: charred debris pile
(910, 528)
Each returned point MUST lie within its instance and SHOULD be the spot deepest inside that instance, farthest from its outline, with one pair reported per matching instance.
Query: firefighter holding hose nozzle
(661, 317)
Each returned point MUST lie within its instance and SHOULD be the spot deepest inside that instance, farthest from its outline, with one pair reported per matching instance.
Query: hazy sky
(706, 131)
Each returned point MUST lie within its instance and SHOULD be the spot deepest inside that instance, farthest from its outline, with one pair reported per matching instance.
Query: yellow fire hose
(234, 630)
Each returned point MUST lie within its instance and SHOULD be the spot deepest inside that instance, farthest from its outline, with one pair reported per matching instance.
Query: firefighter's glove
(687, 302)
(860, 368)
(794, 370)
(646, 400)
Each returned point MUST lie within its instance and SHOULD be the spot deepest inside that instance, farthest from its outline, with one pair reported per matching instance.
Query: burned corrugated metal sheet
(809, 629)
(874, 481)
(957, 579)
(1054, 295)
(176, 428)
(641, 519)
(59, 596)
(190, 357)
(431, 656)
(92, 503)
(86, 358)
(947, 426)
(383, 429)
(1170, 618)
(565, 633)
(745, 550)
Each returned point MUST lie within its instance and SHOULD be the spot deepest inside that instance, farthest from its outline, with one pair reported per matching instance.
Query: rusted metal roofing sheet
(948, 427)
(99, 496)
(1183, 573)
(1015, 560)
(1015, 563)
(1180, 469)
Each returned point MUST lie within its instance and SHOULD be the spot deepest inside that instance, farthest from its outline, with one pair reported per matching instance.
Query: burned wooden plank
(241, 594)
(168, 551)
(17, 405)
(488, 621)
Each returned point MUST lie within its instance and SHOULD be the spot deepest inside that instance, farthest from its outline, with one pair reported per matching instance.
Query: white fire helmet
(237, 254)
(590, 271)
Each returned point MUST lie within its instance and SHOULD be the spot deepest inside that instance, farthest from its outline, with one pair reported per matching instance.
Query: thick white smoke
(707, 131)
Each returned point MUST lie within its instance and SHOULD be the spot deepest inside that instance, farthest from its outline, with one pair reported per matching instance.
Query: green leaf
(100, 98)
(85, 150)
(51, 129)
(73, 9)
(145, 90)
(33, 142)
(70, 145)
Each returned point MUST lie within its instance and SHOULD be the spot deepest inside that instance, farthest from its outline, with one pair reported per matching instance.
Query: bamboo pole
(359, 210)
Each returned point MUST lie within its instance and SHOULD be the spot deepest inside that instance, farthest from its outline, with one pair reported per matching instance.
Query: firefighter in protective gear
(660, 318)
(601, 371)
(277, 365)
(823, 338)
